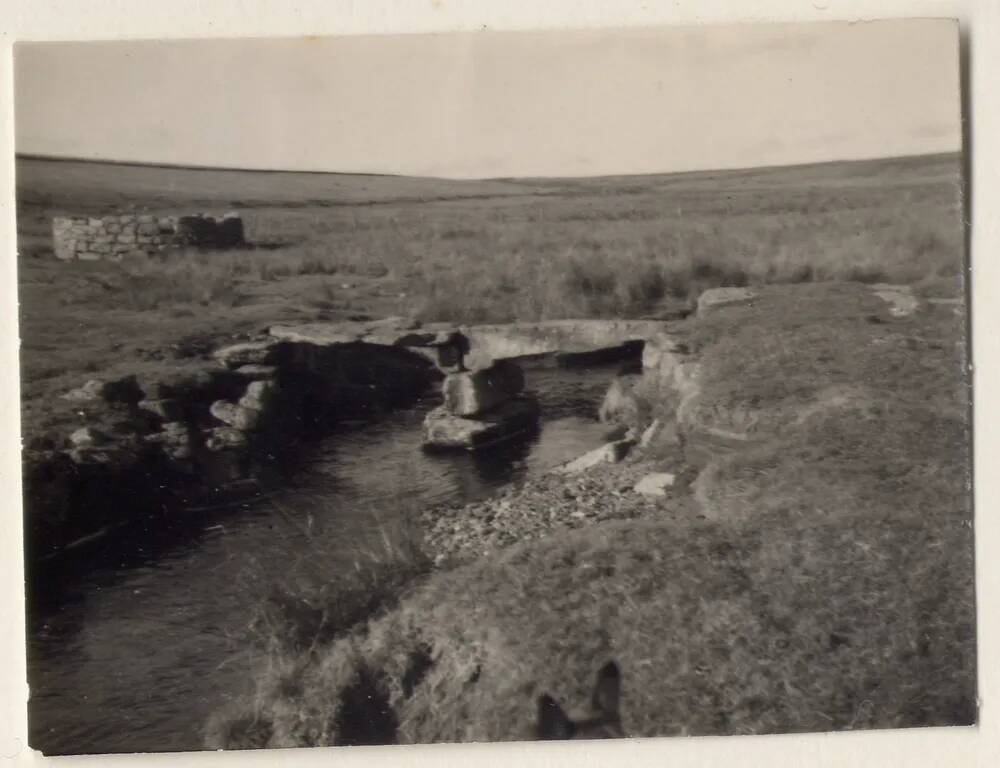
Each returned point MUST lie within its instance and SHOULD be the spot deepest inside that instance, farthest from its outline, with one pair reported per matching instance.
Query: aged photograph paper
(494, 387)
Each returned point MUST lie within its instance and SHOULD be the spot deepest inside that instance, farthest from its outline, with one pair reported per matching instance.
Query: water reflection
(137, 653)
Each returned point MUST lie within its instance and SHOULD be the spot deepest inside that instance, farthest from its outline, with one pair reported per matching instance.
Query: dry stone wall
(114, 237)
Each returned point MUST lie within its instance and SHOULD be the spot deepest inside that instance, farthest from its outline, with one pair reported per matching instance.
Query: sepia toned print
(513, 386)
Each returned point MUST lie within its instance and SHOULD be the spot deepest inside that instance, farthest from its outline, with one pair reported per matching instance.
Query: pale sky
(500, 104)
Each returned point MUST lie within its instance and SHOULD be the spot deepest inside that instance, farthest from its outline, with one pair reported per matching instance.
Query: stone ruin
(115, 237)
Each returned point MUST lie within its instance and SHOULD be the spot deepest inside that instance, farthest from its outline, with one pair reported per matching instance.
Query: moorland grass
(485, 251)
(547, 262)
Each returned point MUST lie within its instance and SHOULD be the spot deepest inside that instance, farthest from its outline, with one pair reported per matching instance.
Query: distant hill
(81, 185)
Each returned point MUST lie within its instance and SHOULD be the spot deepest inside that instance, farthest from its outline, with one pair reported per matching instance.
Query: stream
(135, 654)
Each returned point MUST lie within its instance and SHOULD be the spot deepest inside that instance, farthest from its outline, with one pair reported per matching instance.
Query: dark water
(137, 653)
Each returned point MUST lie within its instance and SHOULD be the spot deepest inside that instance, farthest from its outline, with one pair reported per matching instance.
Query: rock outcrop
(716, 298)
(609, 453)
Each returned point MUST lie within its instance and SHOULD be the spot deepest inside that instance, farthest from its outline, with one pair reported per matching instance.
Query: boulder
(93, 446)
(89, 391)
(248, 353)
(444, 430)
(620, 404)
(715, 298)
(900, 298)
(609, 453)
(662, 350)
(259, 395)
(238, 416)
(655, 484)
(86, 437)
(476, 392)
(174, 439)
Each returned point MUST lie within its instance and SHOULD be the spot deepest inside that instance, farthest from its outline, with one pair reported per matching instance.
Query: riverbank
(329, 250)
(210, 589)
(808, 568)
(198, 435)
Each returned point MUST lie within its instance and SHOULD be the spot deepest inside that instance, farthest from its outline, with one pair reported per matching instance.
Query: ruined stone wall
(111, 237)
(115, 237)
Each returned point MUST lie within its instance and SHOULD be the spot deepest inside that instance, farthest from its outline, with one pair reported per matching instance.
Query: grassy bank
(821, 580)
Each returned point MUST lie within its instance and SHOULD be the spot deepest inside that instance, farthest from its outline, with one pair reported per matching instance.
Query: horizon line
(196, 167)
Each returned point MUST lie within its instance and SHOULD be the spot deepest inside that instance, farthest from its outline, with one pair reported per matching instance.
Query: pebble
(537, 508)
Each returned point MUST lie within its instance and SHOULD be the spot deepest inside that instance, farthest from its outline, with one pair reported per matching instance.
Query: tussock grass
(634, 272)
(718, 629)
(593, 248)
(193, 277)
(832, 344)
(305, 606)
(297, 613)
(186, 277)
